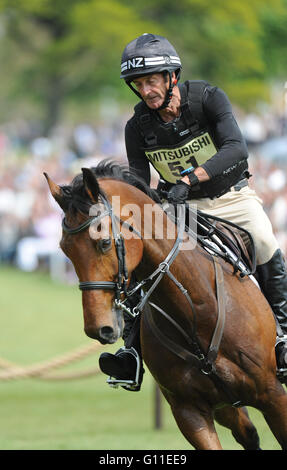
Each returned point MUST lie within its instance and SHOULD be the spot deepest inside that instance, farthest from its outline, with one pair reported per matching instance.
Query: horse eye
(105, 244)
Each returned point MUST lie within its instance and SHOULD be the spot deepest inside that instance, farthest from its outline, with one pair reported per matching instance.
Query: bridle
(120, 285)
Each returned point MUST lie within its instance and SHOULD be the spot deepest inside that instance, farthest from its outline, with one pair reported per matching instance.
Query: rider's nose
(145, 90)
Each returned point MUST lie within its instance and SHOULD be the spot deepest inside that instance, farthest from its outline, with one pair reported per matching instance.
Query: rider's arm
(136, 156)
(226, 133)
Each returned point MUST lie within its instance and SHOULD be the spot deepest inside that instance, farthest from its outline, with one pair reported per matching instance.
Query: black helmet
(149, 53)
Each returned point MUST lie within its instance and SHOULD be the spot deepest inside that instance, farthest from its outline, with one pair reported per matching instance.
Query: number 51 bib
(170, 161)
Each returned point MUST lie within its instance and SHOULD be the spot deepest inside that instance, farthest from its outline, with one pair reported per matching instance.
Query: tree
(274, 41)
(57, 51)
(223, 42)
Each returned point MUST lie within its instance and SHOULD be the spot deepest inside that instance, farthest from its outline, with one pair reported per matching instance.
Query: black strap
(192, 104)
(147, 130)
(97, 285)
(191, 108)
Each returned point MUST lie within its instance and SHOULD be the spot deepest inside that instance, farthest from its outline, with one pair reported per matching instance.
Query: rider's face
(152, 89)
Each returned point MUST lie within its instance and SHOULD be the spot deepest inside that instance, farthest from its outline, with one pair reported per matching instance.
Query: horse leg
(274, 408)
(197, 425)
(237, 420)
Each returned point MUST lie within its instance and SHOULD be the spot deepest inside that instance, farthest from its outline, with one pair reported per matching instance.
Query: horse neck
(159, 235)
(157, 230)
(191, 266)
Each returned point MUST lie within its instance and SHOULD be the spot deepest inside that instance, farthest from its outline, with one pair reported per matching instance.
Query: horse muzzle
(105, 326)
(105, 334)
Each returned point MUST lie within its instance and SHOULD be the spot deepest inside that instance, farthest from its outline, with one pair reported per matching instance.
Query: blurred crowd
(30, 220)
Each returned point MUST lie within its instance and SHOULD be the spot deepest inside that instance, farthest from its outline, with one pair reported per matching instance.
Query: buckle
(241, 184)
(207, 368)
(121, 305)
(164, 267)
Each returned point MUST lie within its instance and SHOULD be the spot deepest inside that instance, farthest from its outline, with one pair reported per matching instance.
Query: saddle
(221, 238)
(235, 244)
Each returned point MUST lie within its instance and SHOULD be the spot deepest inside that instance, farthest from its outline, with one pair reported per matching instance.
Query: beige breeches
(245, 209)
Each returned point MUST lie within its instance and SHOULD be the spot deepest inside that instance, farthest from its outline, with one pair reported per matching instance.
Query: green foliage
(57, 50)
(56, 53)
(223, 42)
(274, 41)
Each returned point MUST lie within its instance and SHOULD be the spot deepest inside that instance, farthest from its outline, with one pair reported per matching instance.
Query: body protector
(196, 147)
(150, 54)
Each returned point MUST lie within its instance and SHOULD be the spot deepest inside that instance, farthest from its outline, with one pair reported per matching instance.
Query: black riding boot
(125, 367)
(272, 278)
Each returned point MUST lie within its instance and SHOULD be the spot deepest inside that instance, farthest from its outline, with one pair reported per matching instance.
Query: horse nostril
(106, 333)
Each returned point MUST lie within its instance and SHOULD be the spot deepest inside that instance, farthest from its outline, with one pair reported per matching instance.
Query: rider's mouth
(152, 99)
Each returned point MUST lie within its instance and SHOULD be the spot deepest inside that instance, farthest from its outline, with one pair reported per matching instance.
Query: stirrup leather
(132, 383)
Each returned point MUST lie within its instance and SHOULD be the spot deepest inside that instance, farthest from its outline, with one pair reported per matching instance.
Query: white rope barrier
(14, 371)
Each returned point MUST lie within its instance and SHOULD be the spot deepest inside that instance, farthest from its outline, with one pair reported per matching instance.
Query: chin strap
(169, 92)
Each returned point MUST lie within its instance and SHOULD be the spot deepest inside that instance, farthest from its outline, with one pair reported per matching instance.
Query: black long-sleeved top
(228, 163)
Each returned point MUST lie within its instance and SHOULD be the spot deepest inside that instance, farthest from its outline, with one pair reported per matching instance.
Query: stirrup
(129, 384)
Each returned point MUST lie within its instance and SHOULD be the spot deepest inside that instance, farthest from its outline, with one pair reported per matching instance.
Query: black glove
(179, 193)
(162, 188)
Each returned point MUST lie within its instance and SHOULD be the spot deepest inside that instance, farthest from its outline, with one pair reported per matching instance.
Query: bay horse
(177, 333)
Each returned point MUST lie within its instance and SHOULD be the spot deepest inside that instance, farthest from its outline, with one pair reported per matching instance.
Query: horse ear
(56, 192)
(91, 184)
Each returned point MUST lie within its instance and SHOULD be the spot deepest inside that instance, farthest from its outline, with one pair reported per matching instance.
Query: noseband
(119, 286)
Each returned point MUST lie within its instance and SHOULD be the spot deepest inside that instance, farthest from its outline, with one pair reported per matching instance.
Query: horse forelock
(75, 195)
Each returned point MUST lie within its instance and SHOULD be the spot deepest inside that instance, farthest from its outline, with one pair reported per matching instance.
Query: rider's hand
(179, 193)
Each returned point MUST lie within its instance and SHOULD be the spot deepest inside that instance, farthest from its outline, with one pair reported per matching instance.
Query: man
(189, 134)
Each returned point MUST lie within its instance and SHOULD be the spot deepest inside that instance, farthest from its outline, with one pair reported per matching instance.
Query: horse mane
(75, 196)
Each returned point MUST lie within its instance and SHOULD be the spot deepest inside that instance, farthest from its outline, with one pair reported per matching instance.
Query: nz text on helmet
(138, 62)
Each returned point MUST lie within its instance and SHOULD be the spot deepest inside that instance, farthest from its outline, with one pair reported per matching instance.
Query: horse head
(94, 238)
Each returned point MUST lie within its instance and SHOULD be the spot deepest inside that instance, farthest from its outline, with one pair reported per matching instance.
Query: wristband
(193, 180)
(187, 171)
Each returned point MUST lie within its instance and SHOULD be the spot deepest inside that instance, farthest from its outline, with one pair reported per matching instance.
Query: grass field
(41, 320)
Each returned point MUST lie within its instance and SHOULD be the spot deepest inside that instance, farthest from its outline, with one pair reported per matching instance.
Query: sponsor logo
(186, 150)
(171, 161)
(187, 131)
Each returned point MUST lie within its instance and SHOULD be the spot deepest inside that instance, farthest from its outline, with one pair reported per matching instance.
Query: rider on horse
(189, 134)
